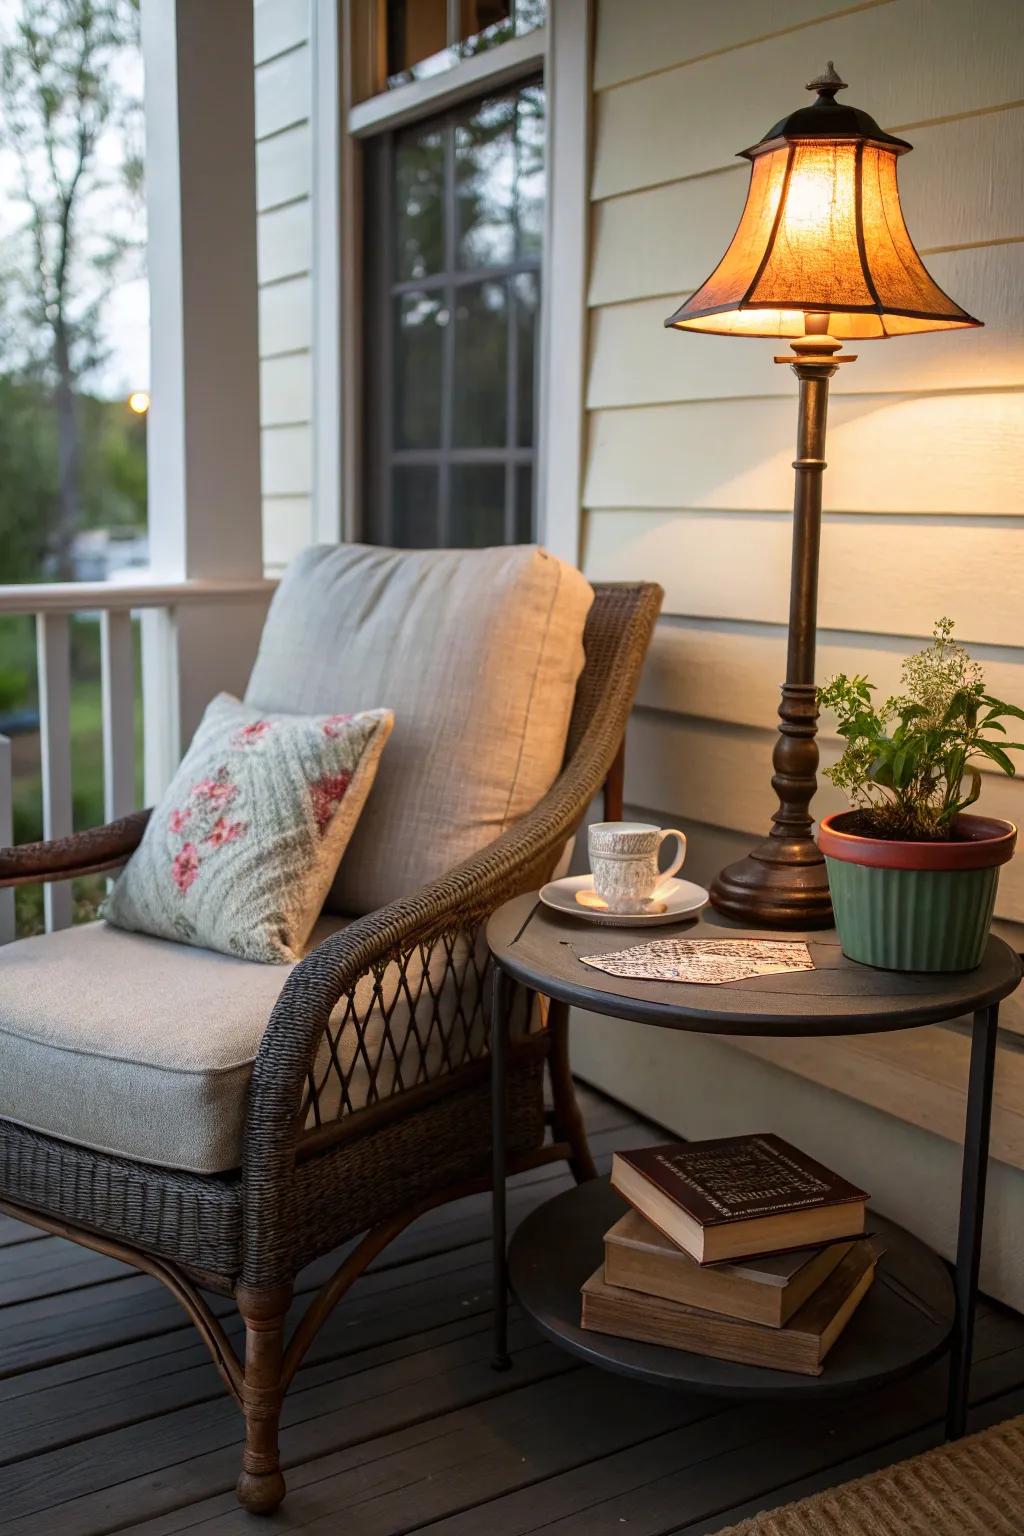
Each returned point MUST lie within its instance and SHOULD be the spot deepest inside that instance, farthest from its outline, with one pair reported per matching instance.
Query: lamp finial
(828, 83)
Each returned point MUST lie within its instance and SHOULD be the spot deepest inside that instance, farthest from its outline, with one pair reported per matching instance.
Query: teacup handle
(677, 863)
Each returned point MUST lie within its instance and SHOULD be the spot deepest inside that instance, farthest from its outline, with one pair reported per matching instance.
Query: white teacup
(624, 862)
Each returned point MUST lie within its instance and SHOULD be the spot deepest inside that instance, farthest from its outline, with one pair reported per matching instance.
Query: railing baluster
(6, 837)
(117, 651)
(53, 656)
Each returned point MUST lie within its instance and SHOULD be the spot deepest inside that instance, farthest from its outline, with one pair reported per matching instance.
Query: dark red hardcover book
(736, 1196)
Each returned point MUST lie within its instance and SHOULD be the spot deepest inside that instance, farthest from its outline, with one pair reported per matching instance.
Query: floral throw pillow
(240, 853)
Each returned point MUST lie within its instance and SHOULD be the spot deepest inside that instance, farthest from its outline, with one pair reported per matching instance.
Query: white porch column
(204, 443)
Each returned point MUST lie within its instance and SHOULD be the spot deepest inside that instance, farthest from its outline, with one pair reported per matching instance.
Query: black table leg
(500, 990)
(972, 1215)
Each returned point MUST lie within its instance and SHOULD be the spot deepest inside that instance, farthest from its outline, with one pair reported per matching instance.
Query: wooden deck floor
(112, 1418)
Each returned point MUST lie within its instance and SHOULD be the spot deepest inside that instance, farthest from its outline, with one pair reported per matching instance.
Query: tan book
(738, 1195)
(768, 1290)
(800, 1346)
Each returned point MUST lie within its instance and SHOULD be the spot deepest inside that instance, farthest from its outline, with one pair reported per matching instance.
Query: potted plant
(913, 879)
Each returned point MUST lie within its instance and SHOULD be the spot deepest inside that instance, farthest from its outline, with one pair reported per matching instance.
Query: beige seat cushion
(143, 1047)
(477, 652)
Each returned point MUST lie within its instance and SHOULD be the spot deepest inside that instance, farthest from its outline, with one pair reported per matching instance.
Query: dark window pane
(527, 298)
(419, 202)
(484, 24)
(480, 393)
(419, 43)
(524, 504)
(485, 176)
(414, 506)
(477, 515)
(420, 319)
(416, 29)
(529, 172)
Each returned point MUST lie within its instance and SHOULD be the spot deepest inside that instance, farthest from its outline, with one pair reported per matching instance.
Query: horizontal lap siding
(284, 168)
(691, 438)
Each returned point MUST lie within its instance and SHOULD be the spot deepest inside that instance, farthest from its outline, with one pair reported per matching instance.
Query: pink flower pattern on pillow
(224, 831)
(240, 853)
(185, 867)
(334, 724)
(203, 820)
(249, 735)
(326, 794)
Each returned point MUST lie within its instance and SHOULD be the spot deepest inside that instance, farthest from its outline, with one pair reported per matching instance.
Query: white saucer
(681, 897)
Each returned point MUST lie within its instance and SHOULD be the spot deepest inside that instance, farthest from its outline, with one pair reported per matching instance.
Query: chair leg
(261, 1486)
(568, 1119)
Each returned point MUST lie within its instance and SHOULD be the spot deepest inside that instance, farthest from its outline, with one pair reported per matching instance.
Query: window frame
(562, 52)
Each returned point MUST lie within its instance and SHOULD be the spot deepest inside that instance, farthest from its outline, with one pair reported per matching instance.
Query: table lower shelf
(903, 1323)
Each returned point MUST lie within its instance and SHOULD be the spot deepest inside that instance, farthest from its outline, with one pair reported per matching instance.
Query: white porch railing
(52, 607)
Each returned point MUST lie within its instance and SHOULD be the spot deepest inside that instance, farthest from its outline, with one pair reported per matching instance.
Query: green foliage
(112, 476)
(28, 482)
(910, 766)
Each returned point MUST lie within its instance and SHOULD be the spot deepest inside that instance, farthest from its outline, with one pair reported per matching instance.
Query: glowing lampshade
(822, 233)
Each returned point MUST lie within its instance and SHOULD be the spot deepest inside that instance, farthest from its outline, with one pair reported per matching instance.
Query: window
(454, 238)
(415, 39)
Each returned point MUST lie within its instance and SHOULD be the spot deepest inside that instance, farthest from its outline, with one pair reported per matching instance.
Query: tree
(69, 115)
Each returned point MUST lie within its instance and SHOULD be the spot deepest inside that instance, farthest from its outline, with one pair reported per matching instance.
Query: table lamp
(821, 255)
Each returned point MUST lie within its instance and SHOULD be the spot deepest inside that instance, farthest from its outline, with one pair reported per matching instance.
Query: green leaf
(997, 755)
(1003, 709)
(988, 724)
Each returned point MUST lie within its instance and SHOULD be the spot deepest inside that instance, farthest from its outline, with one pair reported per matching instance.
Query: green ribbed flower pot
(916, 906)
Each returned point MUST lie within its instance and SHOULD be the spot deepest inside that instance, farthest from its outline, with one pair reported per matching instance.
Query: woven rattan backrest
(421, 1012)
(615, 642)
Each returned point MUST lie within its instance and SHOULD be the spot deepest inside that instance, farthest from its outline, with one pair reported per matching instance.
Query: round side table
(914, 1314)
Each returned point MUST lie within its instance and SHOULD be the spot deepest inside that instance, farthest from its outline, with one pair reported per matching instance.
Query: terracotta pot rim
(988, 842)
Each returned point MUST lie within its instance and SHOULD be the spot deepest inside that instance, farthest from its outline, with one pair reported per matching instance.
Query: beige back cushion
(477, 652)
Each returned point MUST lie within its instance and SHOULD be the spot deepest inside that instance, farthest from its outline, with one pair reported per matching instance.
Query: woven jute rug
(974, 1487)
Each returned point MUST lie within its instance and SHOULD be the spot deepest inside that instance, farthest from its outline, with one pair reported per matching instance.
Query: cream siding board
(287, 461)
(649, 35)
(284, 241)
(286, 524)
(279, 25)
(735, 565)
(286, 316)
(283, 91)
(284, 177)
(636, 361)
(286, 390)
(960, 454)
(911, 62)
(688, 463)
(730, 670)
(284, 167)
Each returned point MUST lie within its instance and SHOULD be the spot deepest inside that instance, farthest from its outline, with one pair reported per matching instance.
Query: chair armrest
(83, 853)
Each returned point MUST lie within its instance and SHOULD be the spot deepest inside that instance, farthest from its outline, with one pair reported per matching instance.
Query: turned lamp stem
(786, 870)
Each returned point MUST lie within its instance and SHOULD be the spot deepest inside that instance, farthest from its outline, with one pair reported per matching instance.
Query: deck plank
(114, 1418)
(743, 1448)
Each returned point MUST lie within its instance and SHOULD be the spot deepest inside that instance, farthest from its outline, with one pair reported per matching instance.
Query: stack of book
(743, 1248)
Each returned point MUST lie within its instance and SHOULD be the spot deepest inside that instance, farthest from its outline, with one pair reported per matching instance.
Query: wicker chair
(312, 1177)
